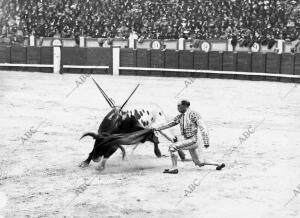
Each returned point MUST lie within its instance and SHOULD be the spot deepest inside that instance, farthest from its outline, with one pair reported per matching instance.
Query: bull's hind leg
(106, 155)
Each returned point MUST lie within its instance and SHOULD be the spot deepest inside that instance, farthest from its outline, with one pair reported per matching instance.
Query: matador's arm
(166, 126)
(170, 124)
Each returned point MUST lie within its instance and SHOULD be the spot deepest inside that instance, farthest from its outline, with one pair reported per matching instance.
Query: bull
(121, 121)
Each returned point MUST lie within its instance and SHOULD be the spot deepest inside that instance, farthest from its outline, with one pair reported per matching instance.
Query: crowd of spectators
(243, 21)
(11, 28)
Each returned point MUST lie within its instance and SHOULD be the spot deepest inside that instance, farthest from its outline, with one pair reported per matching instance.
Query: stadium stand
(243, 21)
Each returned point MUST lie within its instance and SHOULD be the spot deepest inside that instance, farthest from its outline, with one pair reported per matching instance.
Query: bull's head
(113, 119)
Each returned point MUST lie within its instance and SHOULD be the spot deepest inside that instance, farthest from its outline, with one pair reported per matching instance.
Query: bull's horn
(129, 96)
(109, 101)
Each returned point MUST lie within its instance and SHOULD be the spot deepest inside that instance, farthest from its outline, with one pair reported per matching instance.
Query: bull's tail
(91, 134)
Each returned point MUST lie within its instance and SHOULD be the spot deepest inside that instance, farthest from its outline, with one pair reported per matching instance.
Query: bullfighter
(190, 121)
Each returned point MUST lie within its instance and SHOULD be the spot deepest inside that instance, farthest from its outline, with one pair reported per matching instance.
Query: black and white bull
(119, 120)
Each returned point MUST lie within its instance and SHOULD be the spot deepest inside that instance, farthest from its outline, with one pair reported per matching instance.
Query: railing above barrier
(210, 72)
(26, 65)
(85, 67)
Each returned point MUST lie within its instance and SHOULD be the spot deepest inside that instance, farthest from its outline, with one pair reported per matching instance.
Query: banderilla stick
(167, 137)
(180, 152)
(163, 134)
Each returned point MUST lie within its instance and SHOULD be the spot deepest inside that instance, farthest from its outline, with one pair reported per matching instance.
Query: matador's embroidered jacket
(189, 122)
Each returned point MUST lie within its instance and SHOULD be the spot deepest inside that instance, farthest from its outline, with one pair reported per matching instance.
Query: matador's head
(183, 105)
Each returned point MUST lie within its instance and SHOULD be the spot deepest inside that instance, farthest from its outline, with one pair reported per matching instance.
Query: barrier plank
(297, 66)
(244, 64)
(46, 55)
(201, 62)
(18, 55)
(171, 61)
(157, 60)
(214, 62)
(287, 65)
(46, 58)
(258, 64)
(4, 54)
(73, 56)
(229, 63)
(99, 57)
(272, 65)
(33, 57)
(127, 59)
(143, 60)
(186, 61)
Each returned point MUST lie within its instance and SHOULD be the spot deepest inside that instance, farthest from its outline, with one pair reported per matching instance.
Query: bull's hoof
(157, 153)
(100, 168)
(97, 159)
(83, 164)
(159, 156)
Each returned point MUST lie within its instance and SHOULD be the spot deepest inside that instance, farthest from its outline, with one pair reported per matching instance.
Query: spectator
(296, 46)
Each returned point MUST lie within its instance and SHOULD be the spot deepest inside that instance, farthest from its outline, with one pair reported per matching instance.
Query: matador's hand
(172, 148)
(154, 129)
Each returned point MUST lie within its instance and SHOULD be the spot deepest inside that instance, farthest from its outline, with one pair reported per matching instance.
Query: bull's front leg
(154, 140)
(156, 150)
(101, 166)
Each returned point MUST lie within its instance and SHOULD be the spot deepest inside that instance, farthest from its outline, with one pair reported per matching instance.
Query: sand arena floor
(40, 173)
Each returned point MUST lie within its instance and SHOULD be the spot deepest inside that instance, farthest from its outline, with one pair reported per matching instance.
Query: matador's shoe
(220, 167)
(174, 171)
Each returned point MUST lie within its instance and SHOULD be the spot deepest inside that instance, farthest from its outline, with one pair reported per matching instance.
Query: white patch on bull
(155, 116)
(124, 116)
(110, 116)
